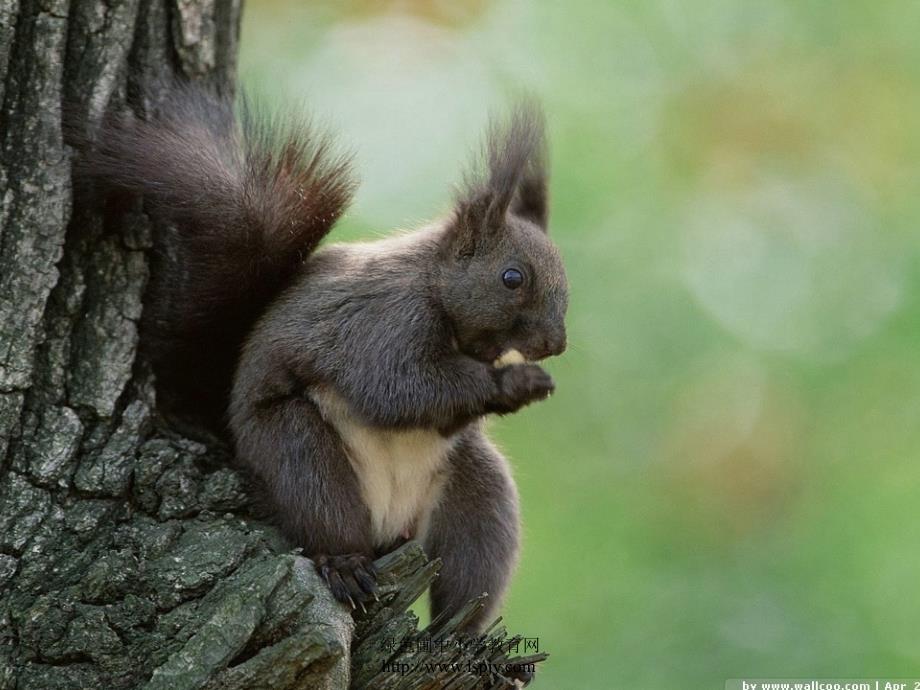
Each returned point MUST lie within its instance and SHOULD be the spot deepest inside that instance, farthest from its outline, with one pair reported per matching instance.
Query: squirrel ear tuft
(531, 200)
(514, 180)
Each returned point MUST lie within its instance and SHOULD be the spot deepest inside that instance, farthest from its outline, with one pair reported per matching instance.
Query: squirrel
(353, 378)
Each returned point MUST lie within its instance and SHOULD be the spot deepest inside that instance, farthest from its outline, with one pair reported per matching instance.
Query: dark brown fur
(245, 200)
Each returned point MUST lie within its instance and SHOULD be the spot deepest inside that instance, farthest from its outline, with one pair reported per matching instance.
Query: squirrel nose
(553, 345)
(556, 346)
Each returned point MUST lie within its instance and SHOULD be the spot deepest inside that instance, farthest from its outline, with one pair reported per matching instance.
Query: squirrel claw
(351, 578)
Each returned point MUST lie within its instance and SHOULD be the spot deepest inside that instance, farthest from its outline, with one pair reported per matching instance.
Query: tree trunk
(130, 556)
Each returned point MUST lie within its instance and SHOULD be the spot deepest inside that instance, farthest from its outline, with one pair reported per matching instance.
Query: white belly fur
(401, 473)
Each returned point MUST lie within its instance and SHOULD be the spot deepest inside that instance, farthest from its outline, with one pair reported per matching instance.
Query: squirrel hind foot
(352, 577)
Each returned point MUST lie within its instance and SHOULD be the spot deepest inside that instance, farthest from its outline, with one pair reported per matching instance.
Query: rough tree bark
(130, 556)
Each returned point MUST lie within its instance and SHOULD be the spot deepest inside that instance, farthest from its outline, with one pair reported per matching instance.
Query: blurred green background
(727, 482)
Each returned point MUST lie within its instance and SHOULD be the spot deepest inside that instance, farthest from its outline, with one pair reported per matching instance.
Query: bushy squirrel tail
(243, 198)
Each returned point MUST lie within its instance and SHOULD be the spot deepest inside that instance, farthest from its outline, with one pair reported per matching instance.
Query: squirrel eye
(512, 278)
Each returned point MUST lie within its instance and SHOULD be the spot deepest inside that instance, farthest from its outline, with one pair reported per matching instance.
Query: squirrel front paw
(519, 385)
(351, 577)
